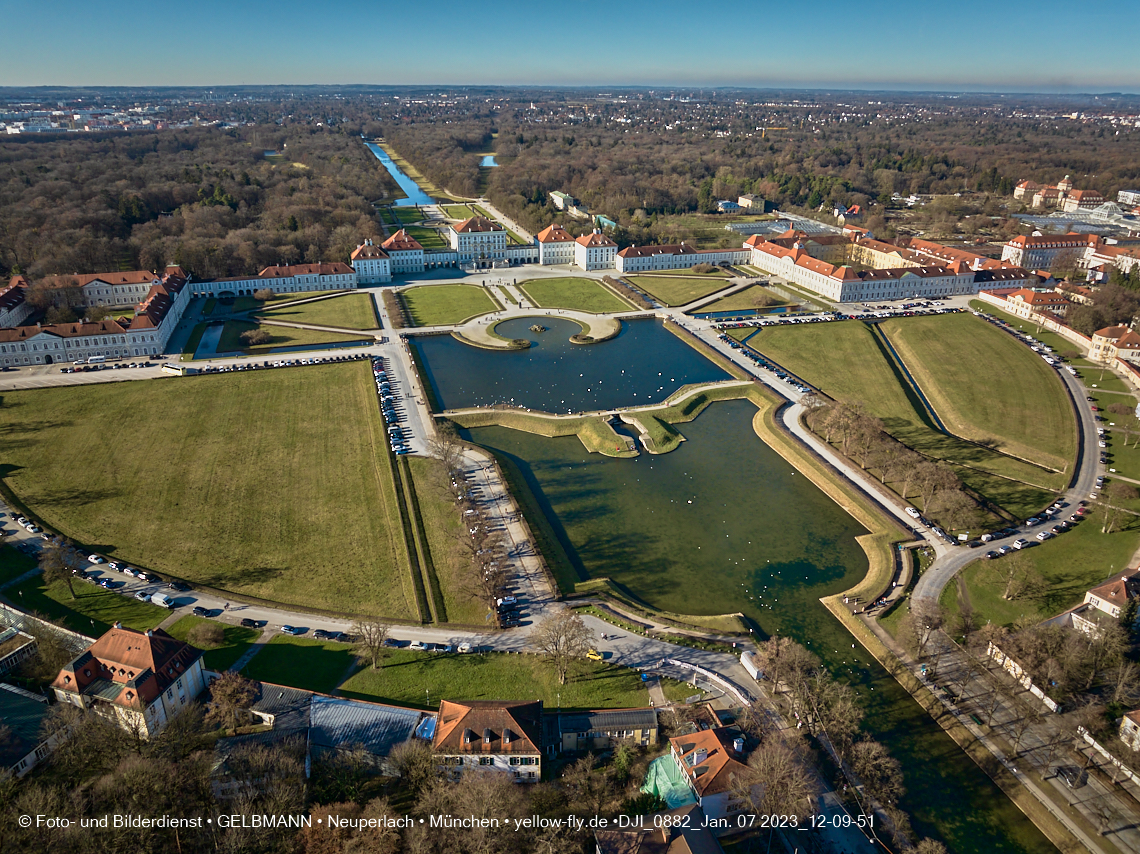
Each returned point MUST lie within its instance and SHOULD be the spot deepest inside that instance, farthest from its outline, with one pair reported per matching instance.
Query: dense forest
(644, 177)
(209, 199)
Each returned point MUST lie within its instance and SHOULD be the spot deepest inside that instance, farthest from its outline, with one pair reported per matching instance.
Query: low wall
(1020, 676)
(729, 687)
(1092, 742)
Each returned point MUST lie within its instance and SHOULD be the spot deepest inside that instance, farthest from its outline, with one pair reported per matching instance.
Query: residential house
(1075, 293)
(727, 206)
(713, 763)
(751, 201)
(1047, 197)
(1025, 188)
(601, 730)
(490, 735)
(1130, 729)
(1025, 302)
(1105, 603)
(562, 201)
(595, 251)
(372, 264)
(138, 680)
(555, 246)
(1115, 342)
(24, 714)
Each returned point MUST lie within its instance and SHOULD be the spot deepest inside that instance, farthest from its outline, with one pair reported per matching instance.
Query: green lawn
(1071, 563)
(1059, 344)
(428, 238)
(422, 679)
(844, 360)
(352, 311)
(396, 216)
(442, 523)
(677, 290)
(273, 484)
(282, 336)
(13, 563)
(93, 610)
(744, 299)
(1021, 405)
(574, 292)
(209, 305)
(311, 665)
(689, 271)
(741, 333)
(434, 305)
(221, 658)
(456, 211)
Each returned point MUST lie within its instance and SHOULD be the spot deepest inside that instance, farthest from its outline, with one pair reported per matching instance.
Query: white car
(912, 512)
(418, 646)
(96, 559)
(1046, 535)
(464, 647)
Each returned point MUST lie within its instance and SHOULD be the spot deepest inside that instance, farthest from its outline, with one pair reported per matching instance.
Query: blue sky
(998, 45)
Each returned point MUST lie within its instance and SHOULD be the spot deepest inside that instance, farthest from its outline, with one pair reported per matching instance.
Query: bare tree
(368, 641)
(231, 695)
(563, 637)
(1116, 493)
(880, 773)
(56, 563)
(778, 781)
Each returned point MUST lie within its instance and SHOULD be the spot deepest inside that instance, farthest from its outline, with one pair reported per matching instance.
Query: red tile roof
(554, 234)
(368, 251)
(488, 726)
(287, 270)
(1118, 590)
(720, 765)
(477, 224)
(401, 241)
(594, 240)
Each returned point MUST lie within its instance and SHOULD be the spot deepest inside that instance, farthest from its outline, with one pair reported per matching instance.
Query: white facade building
(479, 240)
(286, 279)
(372, 264)
(14, 307)
(678, 256)
(555, 246)
(1040, 252)
(595, 251)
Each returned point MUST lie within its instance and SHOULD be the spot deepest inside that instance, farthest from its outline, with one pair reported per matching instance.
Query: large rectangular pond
(644, 364)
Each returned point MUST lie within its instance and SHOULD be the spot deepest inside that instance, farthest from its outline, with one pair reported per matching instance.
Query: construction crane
(764, 131)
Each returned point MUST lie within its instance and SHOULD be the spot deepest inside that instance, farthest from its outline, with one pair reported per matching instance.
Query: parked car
(142, 597)
(418, 646)
(96, 559)
(248, 623)
(199, 611)
(320, 633)
(391, 643)
(180, 586)
(293, 630)
(1046, 535)
(594, 655)
(464, 647)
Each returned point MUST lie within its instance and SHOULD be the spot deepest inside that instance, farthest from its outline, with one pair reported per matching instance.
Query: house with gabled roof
(490, 735)
(372, 264)
(1105, 604)
(713, 763)
(138, 680)
(595, 251)
(405, 252)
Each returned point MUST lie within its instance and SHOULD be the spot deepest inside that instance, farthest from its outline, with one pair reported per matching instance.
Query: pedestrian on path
(226, 607)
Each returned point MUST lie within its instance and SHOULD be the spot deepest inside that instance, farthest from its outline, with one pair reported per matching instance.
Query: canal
(415, 196)
(721, 524)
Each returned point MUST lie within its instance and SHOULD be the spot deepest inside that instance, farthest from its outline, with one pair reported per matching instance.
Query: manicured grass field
(311, 665)
(988, 387)
(406, 676)
(352, 311)
(93, 610)
(428, 238)
(574, 292)
(282, 336)
(741, 333)
(844, 360)
(221, 658)
(13, 563)
(677, 290)
(434, 305)
(456, 211)
(191, 346)
(1059, 344)
(1071, 563)
(744, 299)
(689, 271)
(272, 484)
